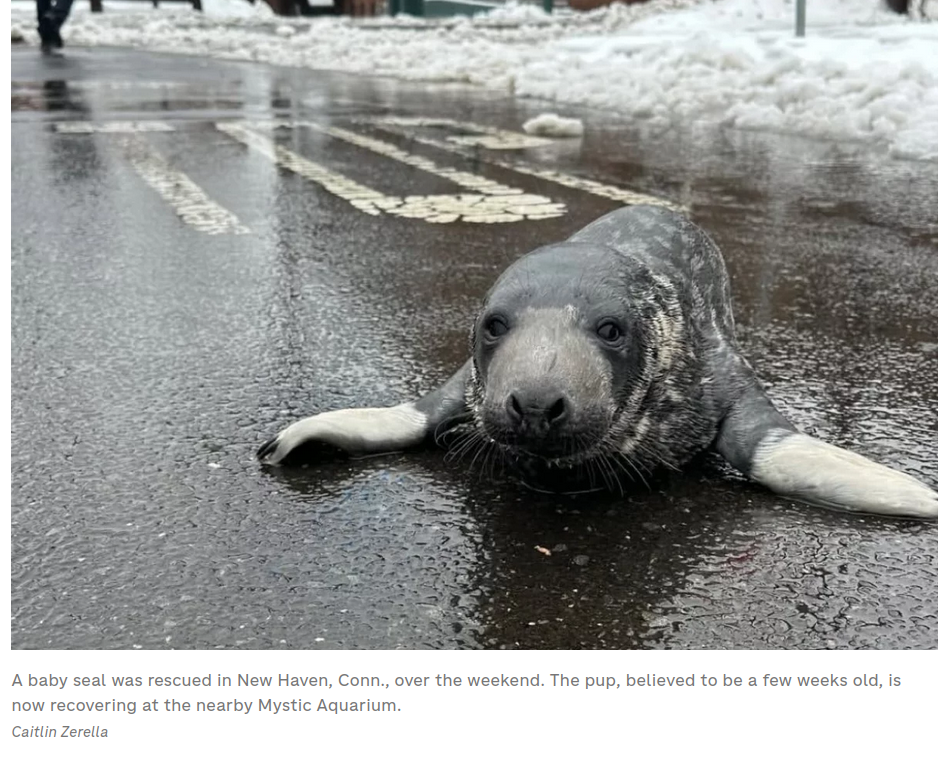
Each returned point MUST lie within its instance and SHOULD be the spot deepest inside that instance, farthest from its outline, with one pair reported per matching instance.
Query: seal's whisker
(590, 466)
(627, 461)
(608, 467)
(461, 444)
(471, 442)
(451, 438)
(493, 457)
(447, 425)
(482, 448)
(645, 448)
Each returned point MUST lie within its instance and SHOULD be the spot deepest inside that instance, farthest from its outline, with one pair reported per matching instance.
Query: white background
(465, 721)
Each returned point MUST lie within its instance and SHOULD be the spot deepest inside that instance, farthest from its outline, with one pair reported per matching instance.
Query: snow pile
(876, 82)
(552, 125)
(861, 74)
(225, 9)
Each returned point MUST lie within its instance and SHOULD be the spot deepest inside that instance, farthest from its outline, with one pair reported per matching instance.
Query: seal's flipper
(357, 431)
(756, 439)
(372, 431)
(797, 465)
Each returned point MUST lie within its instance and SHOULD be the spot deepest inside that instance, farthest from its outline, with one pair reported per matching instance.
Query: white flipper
(804, 468)
(372, 431)
(357, 431)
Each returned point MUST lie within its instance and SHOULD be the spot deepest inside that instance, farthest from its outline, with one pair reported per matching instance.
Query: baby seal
(616, 349)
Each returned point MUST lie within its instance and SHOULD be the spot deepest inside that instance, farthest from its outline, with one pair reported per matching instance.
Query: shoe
(49, 33)
(51, 39)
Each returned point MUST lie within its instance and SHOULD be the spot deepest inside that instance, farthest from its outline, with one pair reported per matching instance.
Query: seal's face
(559, 360)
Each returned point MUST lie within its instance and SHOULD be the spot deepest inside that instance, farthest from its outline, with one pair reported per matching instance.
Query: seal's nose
(537, 412)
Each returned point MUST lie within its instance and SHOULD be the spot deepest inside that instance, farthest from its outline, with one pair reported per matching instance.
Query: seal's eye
(495, 327)
(609, 331)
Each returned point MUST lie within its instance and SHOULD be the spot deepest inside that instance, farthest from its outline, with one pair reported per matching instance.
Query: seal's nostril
(515, 411)
(557, 412)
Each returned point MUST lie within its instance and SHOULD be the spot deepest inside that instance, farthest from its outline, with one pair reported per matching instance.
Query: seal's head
(564, 354)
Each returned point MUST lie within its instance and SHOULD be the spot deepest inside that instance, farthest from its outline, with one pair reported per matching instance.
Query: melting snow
(552, 125)
(861, 74)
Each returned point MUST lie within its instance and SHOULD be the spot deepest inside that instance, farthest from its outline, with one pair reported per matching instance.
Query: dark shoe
(49, 32)
(51, 42)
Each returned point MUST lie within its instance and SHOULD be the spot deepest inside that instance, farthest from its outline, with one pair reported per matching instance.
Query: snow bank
(552, 125)
(861, 74)
(224, 9)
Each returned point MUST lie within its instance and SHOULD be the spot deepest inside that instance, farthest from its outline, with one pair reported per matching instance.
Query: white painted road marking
(489, 202)
(89, 127)
(479, 134)
(472, 182)
(461, 145)
(187, 199)
(486, 201)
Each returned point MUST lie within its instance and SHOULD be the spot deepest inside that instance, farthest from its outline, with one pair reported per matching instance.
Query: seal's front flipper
(373, 431)
(357, 431)
(760, 442)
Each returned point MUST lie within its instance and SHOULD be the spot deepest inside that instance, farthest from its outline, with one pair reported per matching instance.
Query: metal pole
(799, 17)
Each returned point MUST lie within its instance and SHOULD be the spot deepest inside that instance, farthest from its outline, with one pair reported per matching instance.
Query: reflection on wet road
(180, 292)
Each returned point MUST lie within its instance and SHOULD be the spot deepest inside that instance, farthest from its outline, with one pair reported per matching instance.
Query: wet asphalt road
(150, 358)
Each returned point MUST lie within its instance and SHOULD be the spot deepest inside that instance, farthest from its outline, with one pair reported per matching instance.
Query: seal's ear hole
(495, 327)
(610, 331)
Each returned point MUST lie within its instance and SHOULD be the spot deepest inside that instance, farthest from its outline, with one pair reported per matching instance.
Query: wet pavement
(178, 296)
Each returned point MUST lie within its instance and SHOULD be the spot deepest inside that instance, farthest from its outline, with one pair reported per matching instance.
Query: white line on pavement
(489, 202)
(461, 145)
(90, 127)
(187, 199)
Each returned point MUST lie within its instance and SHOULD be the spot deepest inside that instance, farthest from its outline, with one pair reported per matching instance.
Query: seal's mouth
(551, 461)
(584, 471)
(567, 452)
(573, 463)
(564, 449)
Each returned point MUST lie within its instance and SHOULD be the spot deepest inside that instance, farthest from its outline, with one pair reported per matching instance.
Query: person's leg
(52, 14)
(45, 27)
(60, 10)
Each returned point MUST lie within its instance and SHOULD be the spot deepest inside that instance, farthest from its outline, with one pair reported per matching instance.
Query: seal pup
(616, 350)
